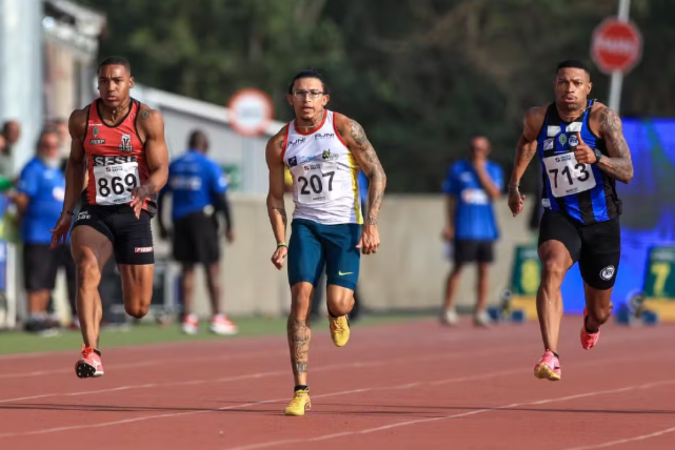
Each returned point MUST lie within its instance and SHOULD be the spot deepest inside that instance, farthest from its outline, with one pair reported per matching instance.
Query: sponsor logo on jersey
(126, 146)
(97, 142)
(296, 142)
(112, 160)
(95, 131)
(324, 136)
(143, 250)
(292, 162)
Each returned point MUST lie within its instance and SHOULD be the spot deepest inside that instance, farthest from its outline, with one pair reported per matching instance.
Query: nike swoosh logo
(342, 274)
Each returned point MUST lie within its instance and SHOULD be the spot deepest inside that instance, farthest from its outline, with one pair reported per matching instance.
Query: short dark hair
(196, 137)
(573, 64)
(309, 73)
(115, 61)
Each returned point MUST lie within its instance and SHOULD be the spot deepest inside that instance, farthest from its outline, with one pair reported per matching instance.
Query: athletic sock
(588, 330)
(301, 387)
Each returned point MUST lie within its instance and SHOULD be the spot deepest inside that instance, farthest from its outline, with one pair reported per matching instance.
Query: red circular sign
(250, 111)
(616, 46)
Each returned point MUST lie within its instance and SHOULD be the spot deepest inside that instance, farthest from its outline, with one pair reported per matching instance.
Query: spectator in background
(11, 133)
(198, 188)
(39, 200)
(471, 187)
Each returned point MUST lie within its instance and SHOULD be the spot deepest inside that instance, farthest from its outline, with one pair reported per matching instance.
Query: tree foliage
(422, 76)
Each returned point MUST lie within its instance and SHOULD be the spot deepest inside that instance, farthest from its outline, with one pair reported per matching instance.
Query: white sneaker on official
(220, 324)
(190, 324)
(482, 319)
(450, 317)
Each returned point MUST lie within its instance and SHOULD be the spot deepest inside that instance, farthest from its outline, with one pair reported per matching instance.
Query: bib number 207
(315, 183)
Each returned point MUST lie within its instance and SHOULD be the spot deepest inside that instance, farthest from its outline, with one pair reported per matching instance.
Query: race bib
(314, 182)
(567, 176)
(115, 183)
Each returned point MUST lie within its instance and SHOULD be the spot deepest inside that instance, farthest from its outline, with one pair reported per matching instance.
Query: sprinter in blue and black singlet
(583, 152)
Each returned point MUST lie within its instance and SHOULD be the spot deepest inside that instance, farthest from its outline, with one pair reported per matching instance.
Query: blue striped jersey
(581, 191)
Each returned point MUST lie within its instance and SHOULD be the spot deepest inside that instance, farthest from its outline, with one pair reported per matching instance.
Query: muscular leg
(339, 300)
(451, 286)
(599, 307)
(187, 286)
(213, 283)
(555, 261)
(299, 331)
(90, 250)
(137, 288)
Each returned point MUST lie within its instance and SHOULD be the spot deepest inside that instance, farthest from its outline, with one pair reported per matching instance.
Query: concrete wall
(408, 271)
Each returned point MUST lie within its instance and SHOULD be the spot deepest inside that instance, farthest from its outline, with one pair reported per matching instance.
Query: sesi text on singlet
(325, 174)
(116, 162)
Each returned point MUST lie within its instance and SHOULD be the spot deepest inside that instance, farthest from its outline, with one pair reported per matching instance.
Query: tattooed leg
(299, 331)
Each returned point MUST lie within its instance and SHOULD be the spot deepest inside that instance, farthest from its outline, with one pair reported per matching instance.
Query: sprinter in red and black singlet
(116, 162)
(119, 143)
(583, 152)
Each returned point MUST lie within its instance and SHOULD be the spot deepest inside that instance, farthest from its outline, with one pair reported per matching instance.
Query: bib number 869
(116, 185)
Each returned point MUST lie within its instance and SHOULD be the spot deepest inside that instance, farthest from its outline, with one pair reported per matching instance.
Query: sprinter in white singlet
(324, 152)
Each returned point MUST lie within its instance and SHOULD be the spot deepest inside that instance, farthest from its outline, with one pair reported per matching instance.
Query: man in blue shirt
(39, 199)
(471, 187)
(198, 188)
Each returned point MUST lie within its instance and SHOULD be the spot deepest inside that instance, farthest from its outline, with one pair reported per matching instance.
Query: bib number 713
(566, 172)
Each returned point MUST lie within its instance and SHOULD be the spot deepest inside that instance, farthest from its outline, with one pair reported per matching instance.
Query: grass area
(147, 333)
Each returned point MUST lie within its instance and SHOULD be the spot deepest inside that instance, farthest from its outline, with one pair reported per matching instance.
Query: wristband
(282, 244)
(514, 186)
(67, 212)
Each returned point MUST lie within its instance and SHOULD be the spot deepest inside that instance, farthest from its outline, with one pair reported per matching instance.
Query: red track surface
(409, 386)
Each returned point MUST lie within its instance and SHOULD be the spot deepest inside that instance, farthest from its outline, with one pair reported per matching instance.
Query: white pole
(617, 77)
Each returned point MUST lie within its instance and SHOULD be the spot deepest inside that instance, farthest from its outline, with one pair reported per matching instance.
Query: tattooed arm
(619, 164)
(275, 195)
(525, 150)
(364, 153)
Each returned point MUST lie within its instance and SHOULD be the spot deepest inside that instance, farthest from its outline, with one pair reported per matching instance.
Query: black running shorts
(131, 237)
(470, 250)
(195, 239)
(40, 265)
(597, 247)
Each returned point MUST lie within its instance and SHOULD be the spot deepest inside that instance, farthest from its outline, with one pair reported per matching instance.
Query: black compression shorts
(597, 247)
(131, 237)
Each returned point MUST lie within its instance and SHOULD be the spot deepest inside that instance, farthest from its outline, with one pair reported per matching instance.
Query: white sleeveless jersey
(325, 174)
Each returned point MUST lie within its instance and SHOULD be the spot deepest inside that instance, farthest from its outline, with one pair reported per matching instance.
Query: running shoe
(588, 340)
(90, 365)
(220, 324)
(548, 367)
(339, 330)
(299, 404)
(190, 324)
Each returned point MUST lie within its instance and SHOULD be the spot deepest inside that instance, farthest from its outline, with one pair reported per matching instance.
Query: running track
(407, 386)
